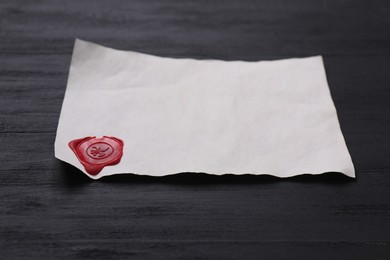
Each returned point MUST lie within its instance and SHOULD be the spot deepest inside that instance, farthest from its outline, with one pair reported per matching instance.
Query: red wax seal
(96, 153)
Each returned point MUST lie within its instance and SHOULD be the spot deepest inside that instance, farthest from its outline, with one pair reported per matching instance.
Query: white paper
(210, 116)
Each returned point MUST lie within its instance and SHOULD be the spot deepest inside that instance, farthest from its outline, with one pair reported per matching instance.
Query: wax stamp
(97, 153)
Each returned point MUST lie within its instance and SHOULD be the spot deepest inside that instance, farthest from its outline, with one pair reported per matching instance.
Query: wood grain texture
(49, 210)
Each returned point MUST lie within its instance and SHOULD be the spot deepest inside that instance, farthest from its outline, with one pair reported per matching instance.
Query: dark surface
(50, 210)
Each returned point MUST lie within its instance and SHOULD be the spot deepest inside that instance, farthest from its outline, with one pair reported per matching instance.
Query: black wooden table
(50, 210)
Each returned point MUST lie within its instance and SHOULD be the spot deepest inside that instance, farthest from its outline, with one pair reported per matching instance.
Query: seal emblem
(96, 153)
(100, 150)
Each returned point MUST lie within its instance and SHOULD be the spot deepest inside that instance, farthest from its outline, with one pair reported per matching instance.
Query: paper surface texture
(209, 116)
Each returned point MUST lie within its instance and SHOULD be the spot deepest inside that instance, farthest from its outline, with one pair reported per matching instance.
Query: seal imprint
(96, 153)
